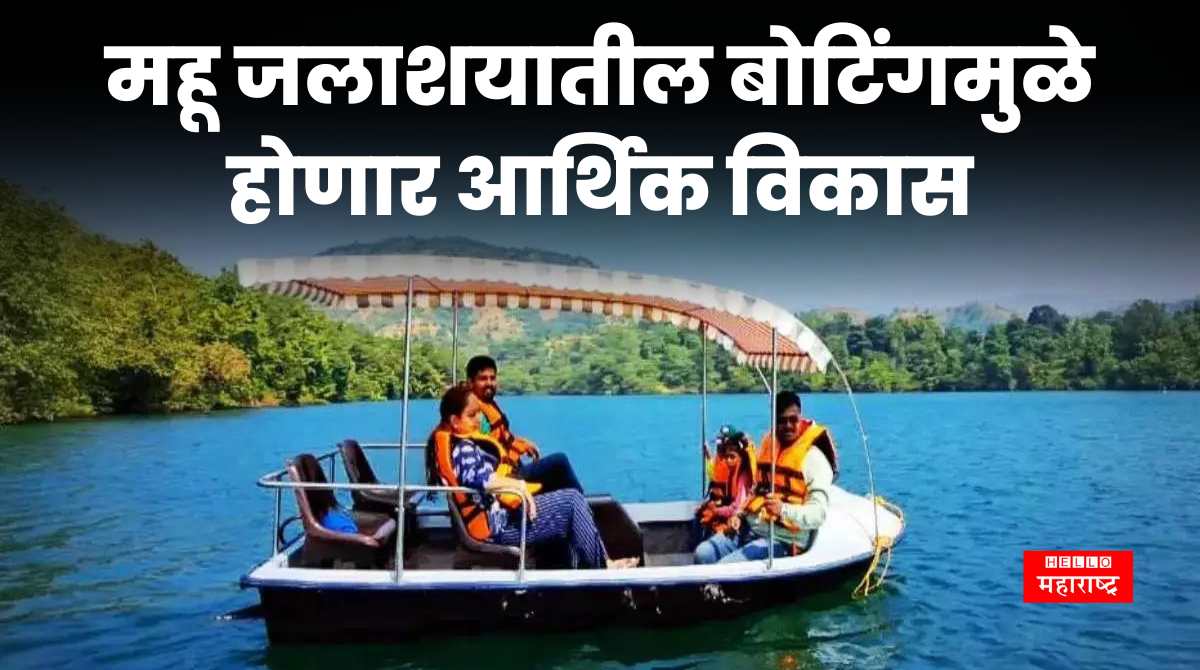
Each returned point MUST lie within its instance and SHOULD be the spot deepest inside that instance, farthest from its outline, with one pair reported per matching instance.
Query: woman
(555, 516)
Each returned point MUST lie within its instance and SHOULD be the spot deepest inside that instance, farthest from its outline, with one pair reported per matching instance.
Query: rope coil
(883, 543)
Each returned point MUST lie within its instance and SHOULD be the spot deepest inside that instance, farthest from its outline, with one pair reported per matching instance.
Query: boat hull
(301, 613)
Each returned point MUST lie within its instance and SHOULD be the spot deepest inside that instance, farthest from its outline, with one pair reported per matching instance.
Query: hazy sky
(1085, 204)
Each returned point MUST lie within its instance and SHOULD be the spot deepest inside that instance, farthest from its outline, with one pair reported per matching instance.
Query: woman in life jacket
(439, 469)
(731, 483)
(475, 461)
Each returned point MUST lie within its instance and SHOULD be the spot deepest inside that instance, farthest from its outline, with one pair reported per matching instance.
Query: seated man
(804, 468)
(553, 472)
(556, 516)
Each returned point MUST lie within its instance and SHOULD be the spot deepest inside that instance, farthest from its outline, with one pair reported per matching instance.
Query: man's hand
(531, 449)
(774, 504)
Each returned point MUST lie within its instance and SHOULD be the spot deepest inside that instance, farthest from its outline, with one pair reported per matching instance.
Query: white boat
(413, 570)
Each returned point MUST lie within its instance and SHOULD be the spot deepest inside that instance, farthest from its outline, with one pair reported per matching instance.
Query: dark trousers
(553, 472)
(563, 518)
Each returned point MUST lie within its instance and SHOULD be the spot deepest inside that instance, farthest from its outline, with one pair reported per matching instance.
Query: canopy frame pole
(454, 343)
(763, 377)
(774, 439)
(275, 528)
(862, 434)
(408, 304)
(703, 408)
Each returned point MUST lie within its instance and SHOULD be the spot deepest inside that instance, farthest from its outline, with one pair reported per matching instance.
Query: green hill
(975, 316)
(93, 326)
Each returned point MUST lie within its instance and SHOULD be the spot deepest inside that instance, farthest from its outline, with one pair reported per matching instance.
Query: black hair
(787, 399)
(478, 364)
(454, 401)
(737, 445)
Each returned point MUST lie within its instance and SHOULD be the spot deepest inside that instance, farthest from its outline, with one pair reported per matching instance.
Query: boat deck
(666, 540)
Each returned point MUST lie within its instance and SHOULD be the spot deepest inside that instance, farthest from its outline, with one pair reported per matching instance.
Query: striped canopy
(740, 323)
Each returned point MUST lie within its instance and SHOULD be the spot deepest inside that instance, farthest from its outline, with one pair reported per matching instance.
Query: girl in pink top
(731, 485)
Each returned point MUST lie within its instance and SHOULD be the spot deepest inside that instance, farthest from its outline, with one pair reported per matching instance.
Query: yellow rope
(883, 543)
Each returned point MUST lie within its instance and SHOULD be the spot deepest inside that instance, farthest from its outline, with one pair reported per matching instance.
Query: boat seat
(371, 547)
(622, 537)
(472, 553)
(359, 471)
(664, 560)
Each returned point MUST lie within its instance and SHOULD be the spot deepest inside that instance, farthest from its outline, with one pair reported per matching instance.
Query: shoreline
(80, 418)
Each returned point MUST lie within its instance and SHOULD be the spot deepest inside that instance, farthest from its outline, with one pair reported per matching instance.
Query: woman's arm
(501, 484)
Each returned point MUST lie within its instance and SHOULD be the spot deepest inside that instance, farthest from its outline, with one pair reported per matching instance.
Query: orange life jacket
(789, 467)
(722, 487)
(721, 492)
(473, 514)
(501, 431)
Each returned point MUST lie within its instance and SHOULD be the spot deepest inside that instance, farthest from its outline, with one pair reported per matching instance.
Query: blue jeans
(553, 472)
(715, 548)
(756, 550)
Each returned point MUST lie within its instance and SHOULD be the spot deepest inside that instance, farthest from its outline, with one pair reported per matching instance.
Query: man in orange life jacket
(805, 466)
(554, 472)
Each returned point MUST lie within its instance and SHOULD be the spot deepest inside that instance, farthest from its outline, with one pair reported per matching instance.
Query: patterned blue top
(472, 467)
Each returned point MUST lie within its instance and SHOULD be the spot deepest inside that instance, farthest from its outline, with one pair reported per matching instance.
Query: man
(554, 472)
(804, 468)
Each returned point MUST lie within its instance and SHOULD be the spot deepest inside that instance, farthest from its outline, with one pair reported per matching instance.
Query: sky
(1085, 205)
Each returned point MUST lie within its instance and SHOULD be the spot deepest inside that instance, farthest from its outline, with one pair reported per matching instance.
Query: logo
(1079, 576)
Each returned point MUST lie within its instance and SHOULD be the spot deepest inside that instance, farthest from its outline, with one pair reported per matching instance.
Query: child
(730, 487)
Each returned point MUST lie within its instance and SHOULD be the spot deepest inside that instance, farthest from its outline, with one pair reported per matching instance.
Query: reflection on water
(824, 633)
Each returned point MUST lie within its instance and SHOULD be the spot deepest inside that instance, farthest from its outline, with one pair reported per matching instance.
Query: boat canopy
(740, 323)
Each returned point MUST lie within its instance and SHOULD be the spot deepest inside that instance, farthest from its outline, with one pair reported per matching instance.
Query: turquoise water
(122, 539)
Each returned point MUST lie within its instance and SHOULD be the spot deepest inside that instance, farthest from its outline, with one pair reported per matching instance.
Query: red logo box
(1079, 576)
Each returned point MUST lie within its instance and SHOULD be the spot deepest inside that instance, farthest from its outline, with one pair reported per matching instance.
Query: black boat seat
(622, 537)
(472, 553)
(359, 471)
(371, 547)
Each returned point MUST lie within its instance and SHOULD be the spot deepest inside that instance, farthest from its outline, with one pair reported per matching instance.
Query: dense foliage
(92, 326)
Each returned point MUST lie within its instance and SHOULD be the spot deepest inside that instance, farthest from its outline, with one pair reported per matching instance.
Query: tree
(1142, 323)
(997, 360)
(876, 330)
(1048, 318)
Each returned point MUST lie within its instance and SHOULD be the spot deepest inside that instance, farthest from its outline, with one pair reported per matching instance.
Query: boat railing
(331, 457)
(275, 480)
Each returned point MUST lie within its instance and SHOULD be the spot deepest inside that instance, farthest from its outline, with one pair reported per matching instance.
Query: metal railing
(331, 457)
(274, 480)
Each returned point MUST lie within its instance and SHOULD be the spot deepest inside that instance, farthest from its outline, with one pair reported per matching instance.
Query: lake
(122, 539)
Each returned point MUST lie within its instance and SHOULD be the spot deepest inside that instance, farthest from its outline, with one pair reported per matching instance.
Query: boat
(413, 570)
